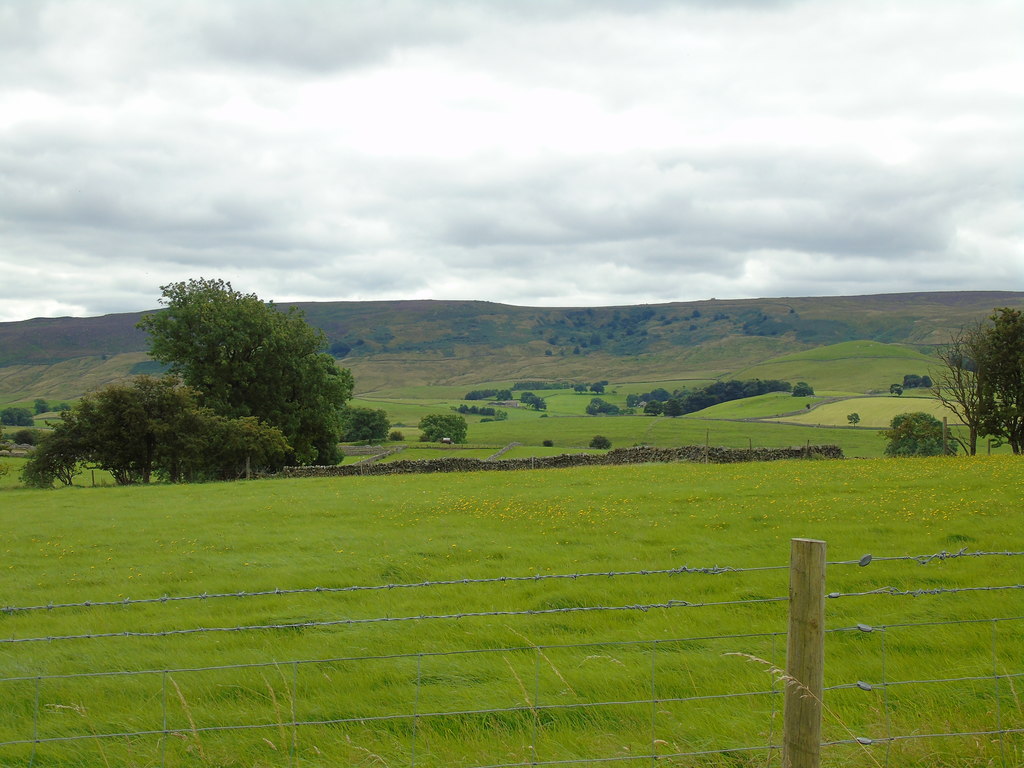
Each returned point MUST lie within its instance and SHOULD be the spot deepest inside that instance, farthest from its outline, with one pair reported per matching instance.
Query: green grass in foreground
(141, 542)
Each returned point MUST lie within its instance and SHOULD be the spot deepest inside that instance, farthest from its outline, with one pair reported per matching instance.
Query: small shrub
(916, 434)
(26, 437)
(803, 389)
(548, 443)
(600, 441)
(396, 436)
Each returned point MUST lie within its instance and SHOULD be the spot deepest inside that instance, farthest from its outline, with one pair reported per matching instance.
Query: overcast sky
(532, 152)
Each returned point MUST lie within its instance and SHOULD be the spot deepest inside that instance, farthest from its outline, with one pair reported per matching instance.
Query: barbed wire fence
(29, 729)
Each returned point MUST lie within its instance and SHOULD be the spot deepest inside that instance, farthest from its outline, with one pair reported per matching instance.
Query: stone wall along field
(638, 455)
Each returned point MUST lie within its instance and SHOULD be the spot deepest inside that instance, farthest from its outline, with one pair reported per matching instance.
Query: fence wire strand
(926, 559)
(417, 717)
(711, 570)
(896, 592)
(392, 619)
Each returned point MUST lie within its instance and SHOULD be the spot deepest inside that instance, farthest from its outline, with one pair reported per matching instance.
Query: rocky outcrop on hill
(619, 456)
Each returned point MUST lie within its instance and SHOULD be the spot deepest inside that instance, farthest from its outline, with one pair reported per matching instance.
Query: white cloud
(569, 152)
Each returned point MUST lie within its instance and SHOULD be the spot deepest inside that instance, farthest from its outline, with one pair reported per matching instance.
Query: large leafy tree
(247, 358)
(1001, 376)
(365, 424)
(436, 426)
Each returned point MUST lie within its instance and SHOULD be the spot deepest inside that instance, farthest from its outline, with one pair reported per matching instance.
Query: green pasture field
(742, 423)
(873, 411)
(536, 675)
(528, 451)
(759, 407)
(415, 452)
(626, 431)
(439, 393)
(861, 366)
(9, 469)
(574, 404)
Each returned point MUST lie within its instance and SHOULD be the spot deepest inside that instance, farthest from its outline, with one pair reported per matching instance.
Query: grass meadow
(534, 676)
(861, 366)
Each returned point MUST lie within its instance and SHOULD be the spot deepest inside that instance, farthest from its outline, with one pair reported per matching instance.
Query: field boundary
(618, 456)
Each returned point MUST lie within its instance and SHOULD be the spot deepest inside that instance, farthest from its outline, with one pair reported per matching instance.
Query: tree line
(679, 403)
(495, 414)
(248, 388)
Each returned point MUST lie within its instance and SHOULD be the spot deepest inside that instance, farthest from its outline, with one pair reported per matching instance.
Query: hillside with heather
(420, 343)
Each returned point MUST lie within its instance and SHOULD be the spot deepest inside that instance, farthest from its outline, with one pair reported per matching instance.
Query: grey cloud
(315, 36)
(800, 202)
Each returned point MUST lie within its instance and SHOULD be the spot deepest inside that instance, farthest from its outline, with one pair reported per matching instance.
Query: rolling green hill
(391, 345)
(853, 366)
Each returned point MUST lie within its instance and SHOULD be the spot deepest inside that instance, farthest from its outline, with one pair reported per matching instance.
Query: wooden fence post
(805, 655)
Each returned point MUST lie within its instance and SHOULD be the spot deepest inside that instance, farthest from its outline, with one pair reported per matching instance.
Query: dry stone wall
(619, 456)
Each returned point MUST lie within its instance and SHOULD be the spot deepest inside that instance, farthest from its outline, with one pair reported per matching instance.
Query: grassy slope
(146, 542)
(859, 366)
(420, 343)
(66, 379)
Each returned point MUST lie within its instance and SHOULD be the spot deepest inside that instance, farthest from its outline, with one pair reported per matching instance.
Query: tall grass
(110, 543)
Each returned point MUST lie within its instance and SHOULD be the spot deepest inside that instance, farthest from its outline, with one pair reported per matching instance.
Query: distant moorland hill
(417, 343)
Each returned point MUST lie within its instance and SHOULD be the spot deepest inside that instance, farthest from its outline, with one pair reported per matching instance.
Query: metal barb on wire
(925, 559)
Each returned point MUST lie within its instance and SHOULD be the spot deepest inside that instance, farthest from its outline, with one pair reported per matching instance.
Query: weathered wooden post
(805, 655)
